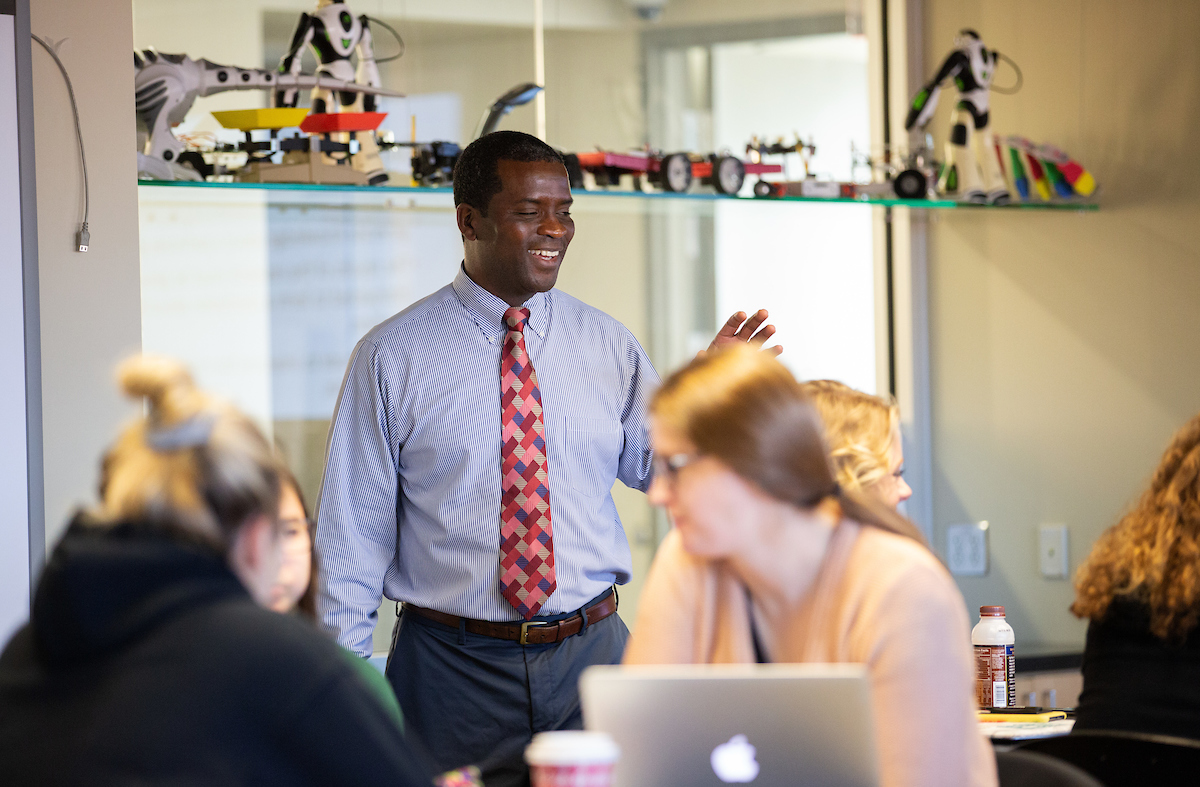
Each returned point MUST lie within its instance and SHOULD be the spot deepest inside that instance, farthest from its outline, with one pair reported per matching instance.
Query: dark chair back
(1119, 759)
(1029, 769)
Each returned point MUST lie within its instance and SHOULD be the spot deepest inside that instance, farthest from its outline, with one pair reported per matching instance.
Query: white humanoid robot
(166, 86)
(334, 33)
(972, 168)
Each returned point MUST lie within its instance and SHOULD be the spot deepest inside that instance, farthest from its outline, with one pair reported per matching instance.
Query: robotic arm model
(167, 85)
(972, 168)
(334, 34)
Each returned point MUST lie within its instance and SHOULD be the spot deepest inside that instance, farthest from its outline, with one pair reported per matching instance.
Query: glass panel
(813, 269)
(264, 293)
(264, 290)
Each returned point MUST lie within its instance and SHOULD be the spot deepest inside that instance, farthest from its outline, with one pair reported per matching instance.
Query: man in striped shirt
(475, 442)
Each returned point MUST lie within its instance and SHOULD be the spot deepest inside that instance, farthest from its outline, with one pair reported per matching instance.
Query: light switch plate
(967, 549)
(1052, 551)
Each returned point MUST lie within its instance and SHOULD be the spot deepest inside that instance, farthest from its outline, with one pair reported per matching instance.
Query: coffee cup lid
(571, 747)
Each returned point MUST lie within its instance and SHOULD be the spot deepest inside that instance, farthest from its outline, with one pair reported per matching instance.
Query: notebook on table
(771, 725)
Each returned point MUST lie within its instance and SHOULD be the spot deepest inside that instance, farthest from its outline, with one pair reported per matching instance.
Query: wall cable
(396, 35)
(82, 237)
(1016, 87)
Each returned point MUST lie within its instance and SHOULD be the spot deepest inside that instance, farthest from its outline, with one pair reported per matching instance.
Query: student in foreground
(771, 560)
(1140, 588)
(150, 657)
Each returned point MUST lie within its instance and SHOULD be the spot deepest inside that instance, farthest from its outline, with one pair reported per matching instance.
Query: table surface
(1006, 731)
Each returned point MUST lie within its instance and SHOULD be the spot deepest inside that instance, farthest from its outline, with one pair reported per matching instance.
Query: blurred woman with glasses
(772, 559)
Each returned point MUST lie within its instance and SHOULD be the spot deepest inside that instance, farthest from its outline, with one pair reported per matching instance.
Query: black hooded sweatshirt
(146, 662)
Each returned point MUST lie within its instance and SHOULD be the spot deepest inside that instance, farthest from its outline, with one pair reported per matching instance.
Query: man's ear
(468, 217)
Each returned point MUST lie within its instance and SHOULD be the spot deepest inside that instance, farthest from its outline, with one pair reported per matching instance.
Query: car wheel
(910, 184)
(675, 172)
(729, 173)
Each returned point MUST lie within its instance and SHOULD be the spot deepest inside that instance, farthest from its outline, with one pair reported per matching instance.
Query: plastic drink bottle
(995, 665)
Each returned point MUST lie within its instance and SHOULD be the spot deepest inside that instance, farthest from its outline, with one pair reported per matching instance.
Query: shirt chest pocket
(587, 455)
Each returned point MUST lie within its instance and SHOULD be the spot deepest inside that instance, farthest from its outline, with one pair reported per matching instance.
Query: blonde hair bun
(166, 385)
(194, 463)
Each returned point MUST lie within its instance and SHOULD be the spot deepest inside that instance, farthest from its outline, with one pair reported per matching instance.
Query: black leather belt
(534, 632)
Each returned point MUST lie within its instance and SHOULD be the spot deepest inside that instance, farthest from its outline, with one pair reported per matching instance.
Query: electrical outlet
(967, 549)
(1052, 551)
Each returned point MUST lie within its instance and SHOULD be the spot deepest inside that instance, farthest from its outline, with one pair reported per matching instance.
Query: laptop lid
(771, 725)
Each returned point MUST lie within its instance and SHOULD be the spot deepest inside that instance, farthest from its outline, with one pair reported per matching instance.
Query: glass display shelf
(922, 204)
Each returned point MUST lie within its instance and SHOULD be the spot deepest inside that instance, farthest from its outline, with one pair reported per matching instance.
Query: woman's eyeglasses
(668, 467)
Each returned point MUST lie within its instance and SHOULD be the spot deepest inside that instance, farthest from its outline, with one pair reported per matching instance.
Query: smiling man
(469, 472)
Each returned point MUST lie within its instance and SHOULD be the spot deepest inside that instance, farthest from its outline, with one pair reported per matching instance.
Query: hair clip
(190, 433)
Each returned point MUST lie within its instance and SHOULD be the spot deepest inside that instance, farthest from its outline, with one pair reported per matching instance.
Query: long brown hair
(745, 408)
(306, 606)
(1152, 555)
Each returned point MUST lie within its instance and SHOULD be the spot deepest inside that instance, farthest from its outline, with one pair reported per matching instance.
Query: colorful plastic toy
(165, 88)
(311, 156)
(674, 172)
(1045, 172)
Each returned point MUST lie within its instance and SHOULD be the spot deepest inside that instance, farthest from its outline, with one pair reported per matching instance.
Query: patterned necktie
(526, 538)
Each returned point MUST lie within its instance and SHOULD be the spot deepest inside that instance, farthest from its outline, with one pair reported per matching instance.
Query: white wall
(90, 306)
(1063, 345)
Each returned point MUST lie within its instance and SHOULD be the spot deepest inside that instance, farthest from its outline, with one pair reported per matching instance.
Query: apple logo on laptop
(733, 761)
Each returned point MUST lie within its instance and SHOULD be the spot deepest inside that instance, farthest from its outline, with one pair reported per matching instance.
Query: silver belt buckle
(528, 625)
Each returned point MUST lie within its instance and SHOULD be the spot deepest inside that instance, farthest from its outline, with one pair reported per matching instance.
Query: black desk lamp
(521, 94)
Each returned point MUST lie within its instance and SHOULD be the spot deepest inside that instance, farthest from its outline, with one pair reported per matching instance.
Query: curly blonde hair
(1152, 555)
(859, 429)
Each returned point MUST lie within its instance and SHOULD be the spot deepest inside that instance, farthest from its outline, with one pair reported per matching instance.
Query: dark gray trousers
(476, 700)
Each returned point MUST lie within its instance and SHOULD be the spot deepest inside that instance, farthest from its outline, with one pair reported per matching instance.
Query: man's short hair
(476, 179)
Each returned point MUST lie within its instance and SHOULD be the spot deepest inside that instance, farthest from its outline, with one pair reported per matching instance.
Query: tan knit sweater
(878, 599)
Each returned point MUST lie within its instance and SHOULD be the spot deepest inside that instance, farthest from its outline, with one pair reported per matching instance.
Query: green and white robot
(972, 168)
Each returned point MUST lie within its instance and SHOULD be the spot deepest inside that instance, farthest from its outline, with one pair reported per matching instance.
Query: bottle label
(995, 676)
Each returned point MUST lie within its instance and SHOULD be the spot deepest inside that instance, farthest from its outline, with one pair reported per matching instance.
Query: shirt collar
(488, 311)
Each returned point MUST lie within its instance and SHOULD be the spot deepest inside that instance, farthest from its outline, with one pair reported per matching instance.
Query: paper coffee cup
(571, 759)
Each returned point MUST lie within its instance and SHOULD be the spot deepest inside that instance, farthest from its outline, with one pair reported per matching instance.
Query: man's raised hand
(739, 328)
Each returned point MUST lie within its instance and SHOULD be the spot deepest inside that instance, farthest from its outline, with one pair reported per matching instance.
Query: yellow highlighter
(999, 715)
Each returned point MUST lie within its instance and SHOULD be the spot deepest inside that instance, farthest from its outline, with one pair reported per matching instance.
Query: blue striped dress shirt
(410, 501)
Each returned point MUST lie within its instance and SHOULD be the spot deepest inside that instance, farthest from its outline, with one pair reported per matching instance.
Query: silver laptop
(773, 725)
